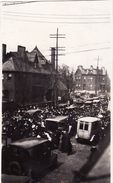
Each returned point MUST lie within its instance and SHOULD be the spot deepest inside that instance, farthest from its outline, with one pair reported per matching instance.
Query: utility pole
(57, 49)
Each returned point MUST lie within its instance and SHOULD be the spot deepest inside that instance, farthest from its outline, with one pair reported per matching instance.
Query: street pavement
(83, 165)
(68, 164)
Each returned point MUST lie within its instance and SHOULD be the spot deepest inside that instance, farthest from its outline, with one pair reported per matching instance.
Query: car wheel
(15, 168)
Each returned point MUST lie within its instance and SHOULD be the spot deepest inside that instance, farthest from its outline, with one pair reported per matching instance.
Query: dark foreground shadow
(44, 173)
(94, 178)
(93, 158)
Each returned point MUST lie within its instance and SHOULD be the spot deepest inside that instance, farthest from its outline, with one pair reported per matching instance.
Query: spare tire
(14, 168)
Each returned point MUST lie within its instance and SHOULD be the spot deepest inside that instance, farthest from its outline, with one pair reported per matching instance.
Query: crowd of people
(20, 124)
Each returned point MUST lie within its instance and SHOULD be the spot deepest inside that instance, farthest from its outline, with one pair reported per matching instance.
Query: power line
(93, 49)
(86, 50)
(8, 3)
(4, 3)
(56, 17)
(96, 43)
(46, 14)
(62, 22)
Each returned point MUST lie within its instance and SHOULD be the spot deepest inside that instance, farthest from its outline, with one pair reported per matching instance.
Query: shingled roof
(36, 53)
(91, 70)
(17, 64)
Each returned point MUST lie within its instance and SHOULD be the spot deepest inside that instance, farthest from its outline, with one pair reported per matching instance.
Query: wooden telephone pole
(57, 49)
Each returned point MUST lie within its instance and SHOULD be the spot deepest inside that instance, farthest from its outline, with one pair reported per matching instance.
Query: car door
(84, 130)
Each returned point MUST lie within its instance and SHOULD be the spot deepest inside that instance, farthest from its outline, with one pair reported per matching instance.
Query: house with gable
(93, 80)
(28, 77)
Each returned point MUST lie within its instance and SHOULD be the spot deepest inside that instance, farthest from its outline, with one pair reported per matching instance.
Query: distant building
(27, 76)
(93, 80)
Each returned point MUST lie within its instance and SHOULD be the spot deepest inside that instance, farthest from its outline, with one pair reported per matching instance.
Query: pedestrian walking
(65, 144)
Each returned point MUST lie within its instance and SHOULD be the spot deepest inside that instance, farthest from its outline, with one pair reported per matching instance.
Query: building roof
(91, 70)
(33, 62)
(36, 53)
(9, 65)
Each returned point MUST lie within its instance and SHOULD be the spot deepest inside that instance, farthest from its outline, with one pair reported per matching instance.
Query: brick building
(92, 80)
(27, 76)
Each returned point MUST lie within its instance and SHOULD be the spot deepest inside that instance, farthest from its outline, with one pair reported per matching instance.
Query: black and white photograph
(56, 85)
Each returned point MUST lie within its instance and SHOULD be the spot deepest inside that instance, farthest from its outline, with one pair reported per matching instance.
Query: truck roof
(89, 119)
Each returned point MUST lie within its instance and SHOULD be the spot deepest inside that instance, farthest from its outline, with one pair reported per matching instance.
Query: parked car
(30, 156)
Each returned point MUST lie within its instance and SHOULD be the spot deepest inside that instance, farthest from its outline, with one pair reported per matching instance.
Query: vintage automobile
(30, 156)
(58, 122)
(55, 126)
(88, 128)
(32, 113)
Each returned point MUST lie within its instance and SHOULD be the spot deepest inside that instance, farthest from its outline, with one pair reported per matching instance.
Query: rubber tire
(14, 168)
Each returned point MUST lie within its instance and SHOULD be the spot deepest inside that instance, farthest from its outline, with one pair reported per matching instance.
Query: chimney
(53, 57)
(91, 67)
(21, 51)
(3, 52)
(80, 67)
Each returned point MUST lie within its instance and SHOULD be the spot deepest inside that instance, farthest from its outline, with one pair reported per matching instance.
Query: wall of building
(88, 82)
(25, 85)
(8, 86)
(91, 79)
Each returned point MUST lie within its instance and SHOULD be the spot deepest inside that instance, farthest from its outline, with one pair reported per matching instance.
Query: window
(86, 126)
(9, 76)
(81, 125)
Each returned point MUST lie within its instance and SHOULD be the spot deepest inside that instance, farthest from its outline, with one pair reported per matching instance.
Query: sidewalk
(101, 171)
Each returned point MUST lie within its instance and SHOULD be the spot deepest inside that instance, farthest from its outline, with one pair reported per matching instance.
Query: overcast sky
(86, 25)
